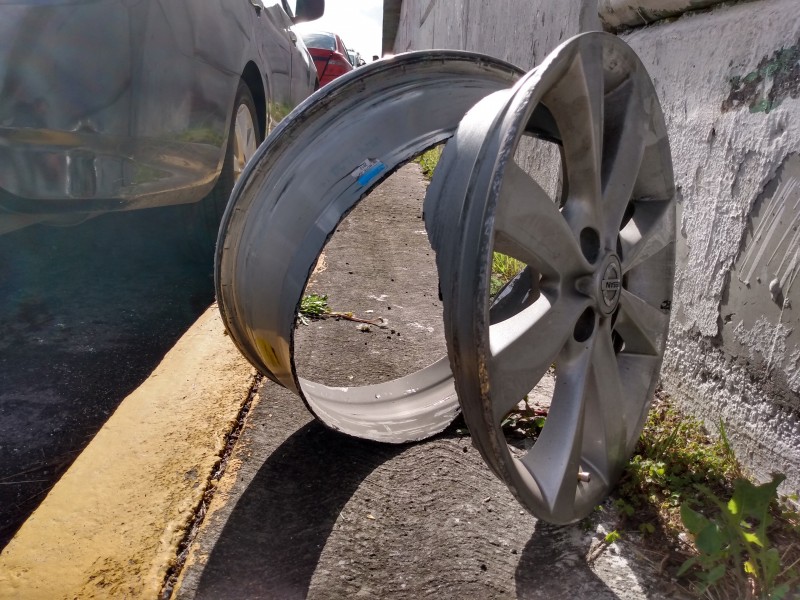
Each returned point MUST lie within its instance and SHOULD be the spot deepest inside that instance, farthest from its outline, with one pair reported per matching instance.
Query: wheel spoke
(641, 325)
(524, 346)
(529, 227)
(638, 372)
(554, 460)
(576, 102)
(244, 132)
(650, 230)
(604, 435)
(623, 148)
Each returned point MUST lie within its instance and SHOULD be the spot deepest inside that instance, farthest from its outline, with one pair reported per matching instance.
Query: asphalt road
(86, 313)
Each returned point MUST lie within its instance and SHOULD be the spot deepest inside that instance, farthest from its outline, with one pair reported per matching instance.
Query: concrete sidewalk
(314, 514)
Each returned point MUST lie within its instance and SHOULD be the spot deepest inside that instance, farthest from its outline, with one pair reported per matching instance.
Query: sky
(359, 24)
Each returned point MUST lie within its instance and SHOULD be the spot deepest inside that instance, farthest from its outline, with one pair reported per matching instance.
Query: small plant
(504, 269)
(429, 159)
(612, 537)
(677, 476)
(314, 306)
(734, 546)
(673, 456)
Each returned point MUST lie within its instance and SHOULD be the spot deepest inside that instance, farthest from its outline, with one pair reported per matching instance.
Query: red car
(329, 54)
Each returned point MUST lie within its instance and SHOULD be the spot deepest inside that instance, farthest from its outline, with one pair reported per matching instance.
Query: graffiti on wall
(776, 78)
(767, 333)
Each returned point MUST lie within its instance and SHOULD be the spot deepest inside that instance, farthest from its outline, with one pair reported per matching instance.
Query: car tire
(244, 136)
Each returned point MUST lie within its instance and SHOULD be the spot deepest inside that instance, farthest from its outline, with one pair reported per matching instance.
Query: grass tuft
(429, 159)
(314, 306)
(504, 268)
(686, 488)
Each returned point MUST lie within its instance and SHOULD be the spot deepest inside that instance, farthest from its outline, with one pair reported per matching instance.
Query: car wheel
(592, 307)
(243, 139)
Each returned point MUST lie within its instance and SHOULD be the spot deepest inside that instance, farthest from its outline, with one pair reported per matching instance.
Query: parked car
(355, 58)
(109, 106)
(329, 53)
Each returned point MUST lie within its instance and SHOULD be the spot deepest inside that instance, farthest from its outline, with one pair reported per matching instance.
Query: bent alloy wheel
(593, 301)
(310, 172)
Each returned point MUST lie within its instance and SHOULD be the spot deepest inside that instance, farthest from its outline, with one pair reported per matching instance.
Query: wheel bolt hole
(590, 244)
(585, 326)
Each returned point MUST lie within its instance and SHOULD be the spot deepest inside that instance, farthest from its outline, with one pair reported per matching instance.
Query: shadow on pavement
(272, 542)
(553, 566)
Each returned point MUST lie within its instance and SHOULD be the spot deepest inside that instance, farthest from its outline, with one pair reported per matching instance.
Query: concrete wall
(623, 14)
(729, 82)
(522, 32)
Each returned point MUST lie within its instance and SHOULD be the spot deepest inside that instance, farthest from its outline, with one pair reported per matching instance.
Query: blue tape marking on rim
(371, 173)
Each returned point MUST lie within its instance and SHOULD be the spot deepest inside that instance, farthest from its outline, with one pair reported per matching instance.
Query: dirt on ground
(306, 512)
(378, 265)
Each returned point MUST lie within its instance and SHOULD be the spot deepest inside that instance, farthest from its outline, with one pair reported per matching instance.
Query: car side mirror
(308, 10)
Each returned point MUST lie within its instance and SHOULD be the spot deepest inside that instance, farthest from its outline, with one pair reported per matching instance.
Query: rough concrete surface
(730, 355)
(111, 526)
(314, 514)
(522, 32)
(636, 13)
(305, 512)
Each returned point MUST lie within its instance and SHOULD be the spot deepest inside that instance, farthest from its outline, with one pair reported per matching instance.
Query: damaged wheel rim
(314, 167)
(593, 301)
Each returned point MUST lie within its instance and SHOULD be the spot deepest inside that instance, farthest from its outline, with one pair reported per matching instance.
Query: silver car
(110, 105)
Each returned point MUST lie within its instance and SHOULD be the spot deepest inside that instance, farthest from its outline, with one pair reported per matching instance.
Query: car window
(319, 40)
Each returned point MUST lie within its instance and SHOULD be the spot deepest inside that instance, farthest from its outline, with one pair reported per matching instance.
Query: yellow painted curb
(111, 526)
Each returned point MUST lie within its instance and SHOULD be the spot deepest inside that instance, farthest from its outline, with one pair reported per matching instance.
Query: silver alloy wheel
(309, 173)
(600, 268)
(245, 139)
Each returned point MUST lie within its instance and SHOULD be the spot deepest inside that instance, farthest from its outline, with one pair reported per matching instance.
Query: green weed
(673, 456)
(612, 537)
(504, 268)
(733, 549)
(314, 306)
(429, 159)
(676, 479)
